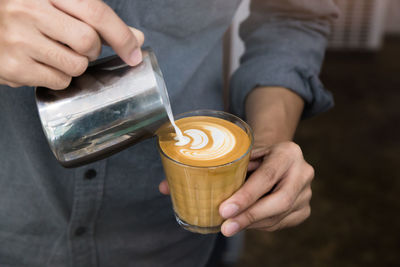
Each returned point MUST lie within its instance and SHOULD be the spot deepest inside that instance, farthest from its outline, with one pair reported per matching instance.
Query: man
(111, 213)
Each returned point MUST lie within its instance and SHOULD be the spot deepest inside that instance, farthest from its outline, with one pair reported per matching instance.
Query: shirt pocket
(183, 18)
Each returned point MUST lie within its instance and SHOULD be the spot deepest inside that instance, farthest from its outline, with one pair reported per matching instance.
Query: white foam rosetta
(223, 141)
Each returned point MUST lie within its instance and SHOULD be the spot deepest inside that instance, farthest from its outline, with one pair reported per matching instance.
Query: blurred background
(355, 149)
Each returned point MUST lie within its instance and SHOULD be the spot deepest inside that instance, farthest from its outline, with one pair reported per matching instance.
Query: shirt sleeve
(285, 42)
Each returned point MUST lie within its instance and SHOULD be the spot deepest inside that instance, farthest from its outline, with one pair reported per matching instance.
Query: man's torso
(51, 216)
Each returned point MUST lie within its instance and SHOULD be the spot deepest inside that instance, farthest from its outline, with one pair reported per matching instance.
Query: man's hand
(276, 195)
(47, 42)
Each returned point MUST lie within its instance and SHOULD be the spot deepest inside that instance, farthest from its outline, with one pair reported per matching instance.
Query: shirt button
(80, 231)
(90, 174)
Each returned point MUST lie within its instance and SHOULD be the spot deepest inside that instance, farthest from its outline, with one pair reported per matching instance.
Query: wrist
(273, 113)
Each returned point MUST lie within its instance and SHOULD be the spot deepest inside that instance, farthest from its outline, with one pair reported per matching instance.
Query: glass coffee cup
(198, 188)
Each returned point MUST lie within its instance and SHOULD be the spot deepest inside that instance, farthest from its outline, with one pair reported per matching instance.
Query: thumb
(139, 35)
(136, 56)
(163, 187)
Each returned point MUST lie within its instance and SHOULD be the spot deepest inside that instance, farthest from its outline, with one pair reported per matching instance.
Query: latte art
(205, 141)
(211, 143)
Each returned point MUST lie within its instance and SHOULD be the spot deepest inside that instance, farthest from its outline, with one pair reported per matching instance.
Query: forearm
(273, 113)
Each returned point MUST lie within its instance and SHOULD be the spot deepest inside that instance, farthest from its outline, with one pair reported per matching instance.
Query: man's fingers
(280, 202)
(256, 157)
(259, 152)
(259, 183)
(301, 202)
(37, 74)
(253, 165)
(68, 30)
(11, 84)
(233, 226)
(291, 220)
(163, 187)
(58, 56)
(138, 34)
(267, 212)
(42, 75)
(49, 77)
(104, 20)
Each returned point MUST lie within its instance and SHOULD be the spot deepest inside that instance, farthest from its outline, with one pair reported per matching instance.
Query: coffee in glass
(206, 166)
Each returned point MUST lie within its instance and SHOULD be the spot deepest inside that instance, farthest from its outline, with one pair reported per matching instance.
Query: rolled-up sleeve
(285, 42)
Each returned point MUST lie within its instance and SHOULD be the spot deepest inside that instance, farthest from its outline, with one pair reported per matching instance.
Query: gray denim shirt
(110, 213)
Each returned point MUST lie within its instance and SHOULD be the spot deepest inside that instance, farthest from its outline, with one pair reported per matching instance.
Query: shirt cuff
(256, 73)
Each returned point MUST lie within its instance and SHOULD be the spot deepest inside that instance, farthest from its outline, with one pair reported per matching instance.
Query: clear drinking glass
(197, 192)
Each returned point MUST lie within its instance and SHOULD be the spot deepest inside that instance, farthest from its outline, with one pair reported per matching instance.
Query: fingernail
(231, 228)
(229, 210)
(136, 57)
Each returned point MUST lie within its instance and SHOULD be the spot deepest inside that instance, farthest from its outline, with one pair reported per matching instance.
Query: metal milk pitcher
(108, 108)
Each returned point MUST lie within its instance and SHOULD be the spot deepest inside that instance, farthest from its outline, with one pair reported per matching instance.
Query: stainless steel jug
(108, 108)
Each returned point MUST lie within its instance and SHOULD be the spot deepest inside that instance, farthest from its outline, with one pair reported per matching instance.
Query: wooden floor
(355, 149)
